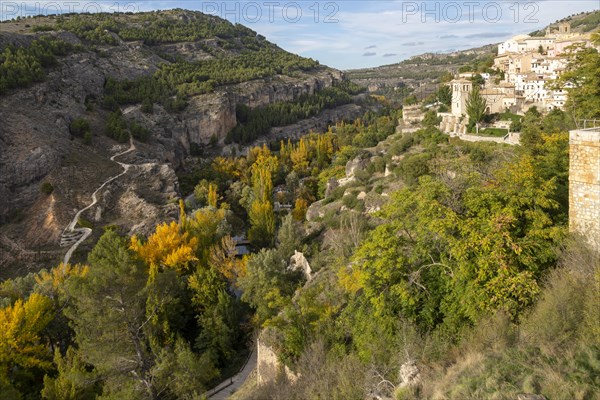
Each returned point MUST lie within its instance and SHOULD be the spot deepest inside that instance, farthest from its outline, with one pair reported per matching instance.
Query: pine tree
(476, 105)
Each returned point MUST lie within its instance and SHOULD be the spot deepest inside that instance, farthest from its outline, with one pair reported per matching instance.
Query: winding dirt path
(86, 232)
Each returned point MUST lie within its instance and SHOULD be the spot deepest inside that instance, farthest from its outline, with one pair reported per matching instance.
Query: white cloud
(382, 23)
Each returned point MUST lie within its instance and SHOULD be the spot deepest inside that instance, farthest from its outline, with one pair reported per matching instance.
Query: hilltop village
(526, 67)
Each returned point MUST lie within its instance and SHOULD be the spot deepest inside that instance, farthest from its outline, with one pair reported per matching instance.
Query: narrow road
(231, 385)
(70, 230)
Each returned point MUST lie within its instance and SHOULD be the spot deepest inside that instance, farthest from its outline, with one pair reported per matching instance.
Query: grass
(506, 116)
(495, 132)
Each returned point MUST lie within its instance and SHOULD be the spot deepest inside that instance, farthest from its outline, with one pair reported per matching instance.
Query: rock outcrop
(409, 374)
(268, 366)
(299, 263)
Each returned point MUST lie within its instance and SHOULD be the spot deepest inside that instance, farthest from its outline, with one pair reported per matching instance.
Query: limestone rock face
(299, 263)
(332, 184)
(213, 115)
(409, 374)
(268, 366)
(355, 165)
(144, 203)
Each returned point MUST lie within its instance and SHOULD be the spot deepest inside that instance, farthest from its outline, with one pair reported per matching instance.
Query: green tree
(476, 105)
(184, 372)
(531, 130)
(113, 321)
(79, 127)
(73, 381)
(583, 77)
(268, 284)
(116, 127)
(477, 79)
(444, 95)
(436, 260)
(431, 119)
(109, 315)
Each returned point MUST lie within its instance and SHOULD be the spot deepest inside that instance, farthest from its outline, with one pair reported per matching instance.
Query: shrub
(414, 166)
(147, 106)
(138, 132)
(47, 188)
(557, 318)
(378, 164)
(85, 223)
(79, 127)
(336, 193)
(401, 145)
(87, 138)
(351, 202)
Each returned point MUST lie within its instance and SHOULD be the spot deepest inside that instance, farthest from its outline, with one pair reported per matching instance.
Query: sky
(348, 34)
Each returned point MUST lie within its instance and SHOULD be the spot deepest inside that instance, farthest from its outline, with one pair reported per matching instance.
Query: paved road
(86, 232)
(228, 387)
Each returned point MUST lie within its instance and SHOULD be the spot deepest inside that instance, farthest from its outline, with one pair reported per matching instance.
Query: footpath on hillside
(231, 385)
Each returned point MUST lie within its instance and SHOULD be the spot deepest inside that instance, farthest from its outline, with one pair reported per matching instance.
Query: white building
(513, 45)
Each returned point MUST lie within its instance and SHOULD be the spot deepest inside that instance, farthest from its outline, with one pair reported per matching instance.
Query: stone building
(584, 184)
(461, 88)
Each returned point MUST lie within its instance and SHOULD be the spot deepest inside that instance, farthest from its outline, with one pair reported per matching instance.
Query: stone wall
(512, 138)
(584, 184)
(412, 114)
(452, 124)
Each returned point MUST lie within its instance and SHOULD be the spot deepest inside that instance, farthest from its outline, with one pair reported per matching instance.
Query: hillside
(74, 87)
(580, 23)
(421, 74)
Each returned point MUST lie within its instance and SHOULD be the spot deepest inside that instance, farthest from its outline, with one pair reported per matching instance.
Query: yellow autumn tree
(223, 258)
(227, 167)
(207, 227)
(169, 246)
(285, 151)
(51, 283)
(20, 334)
(262, 183)
(299, 156)
(262, 216)
(212, 197)
(299, 211)
(262, 221)
(256, 152)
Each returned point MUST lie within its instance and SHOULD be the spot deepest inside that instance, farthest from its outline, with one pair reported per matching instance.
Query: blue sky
(354, 34)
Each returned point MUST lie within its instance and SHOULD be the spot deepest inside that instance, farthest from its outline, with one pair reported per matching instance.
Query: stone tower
(564, 28)
(461, 88)
(584, 184)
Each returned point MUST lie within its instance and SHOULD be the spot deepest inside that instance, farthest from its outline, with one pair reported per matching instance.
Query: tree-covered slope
(73, 86)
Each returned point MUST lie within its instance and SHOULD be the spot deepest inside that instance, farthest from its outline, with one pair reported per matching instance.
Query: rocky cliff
(36, 145)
